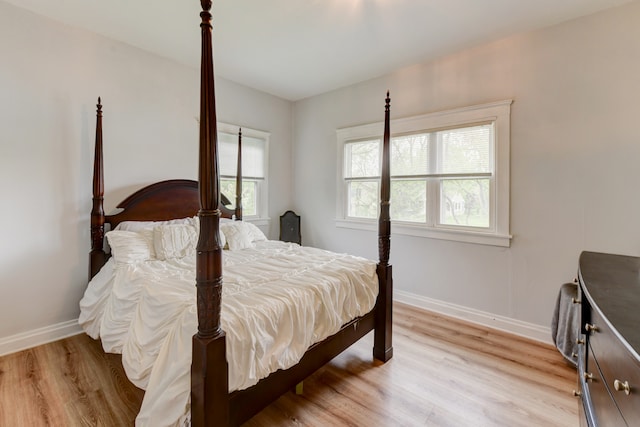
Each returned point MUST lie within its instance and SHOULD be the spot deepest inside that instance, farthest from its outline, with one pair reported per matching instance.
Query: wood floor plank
(67, 383)
(444, 373)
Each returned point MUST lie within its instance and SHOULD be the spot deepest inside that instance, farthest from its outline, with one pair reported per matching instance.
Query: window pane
(252, 157)
(410, 155)
(228, 188)
(362, 159)
(465, 202)
(465, 150)
(363, 199)
(227, 154)
(253, 153)
(409, 200)
(249, 202)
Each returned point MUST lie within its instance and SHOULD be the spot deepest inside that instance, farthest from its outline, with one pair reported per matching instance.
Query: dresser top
(612, 285)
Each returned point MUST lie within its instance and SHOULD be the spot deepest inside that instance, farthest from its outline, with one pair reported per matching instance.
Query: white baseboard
(36, 337)
(506, 324)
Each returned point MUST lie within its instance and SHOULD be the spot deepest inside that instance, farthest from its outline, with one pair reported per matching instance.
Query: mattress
(278, 299)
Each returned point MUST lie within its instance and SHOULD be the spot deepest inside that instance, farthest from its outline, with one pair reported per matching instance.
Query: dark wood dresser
(609, 340)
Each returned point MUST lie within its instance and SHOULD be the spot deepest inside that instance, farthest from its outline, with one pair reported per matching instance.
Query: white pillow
(174, 240)
(256, 234)
(128, 247)
(195, 221)
(236, 235)
(144, 225)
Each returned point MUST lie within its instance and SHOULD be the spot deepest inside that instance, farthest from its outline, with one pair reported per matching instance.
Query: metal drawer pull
(575, 301)
(622, 386)
(590, 328)
(579, 341)
(588, 376)
(576, 393)
(574, 355)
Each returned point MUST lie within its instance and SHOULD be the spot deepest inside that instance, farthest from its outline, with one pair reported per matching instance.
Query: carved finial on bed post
(97, 255)
(206, 7)
(239, 178)
(209, 371)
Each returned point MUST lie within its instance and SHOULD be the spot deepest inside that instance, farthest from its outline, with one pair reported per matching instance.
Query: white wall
(575, 149)
(574, 157)
(50, 78)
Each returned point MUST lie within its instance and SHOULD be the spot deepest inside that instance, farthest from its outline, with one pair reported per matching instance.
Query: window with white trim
(449, 175)
(254, 168)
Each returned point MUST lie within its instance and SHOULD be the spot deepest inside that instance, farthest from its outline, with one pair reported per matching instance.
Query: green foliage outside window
(465, 202)
(228, 188)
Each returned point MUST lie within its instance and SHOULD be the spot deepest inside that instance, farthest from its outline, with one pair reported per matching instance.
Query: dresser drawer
(617, 365)
(587, 417)
(607, 413)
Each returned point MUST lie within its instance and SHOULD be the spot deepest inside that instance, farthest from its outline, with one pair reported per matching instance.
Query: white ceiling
(299, 48)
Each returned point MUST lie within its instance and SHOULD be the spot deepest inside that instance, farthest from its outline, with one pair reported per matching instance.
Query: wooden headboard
(161, 201)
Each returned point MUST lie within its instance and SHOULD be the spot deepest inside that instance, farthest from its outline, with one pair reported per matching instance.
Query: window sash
(432, 185)
(430, 157)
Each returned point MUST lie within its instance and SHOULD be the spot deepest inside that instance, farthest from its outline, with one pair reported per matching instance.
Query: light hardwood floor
(444, 372)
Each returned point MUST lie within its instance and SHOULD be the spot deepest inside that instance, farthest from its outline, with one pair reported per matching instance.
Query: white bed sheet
(278, 299)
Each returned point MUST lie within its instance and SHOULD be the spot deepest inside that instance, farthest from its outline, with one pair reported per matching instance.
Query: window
(254, 168)
(449, 175)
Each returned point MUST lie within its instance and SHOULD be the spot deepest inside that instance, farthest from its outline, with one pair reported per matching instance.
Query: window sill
(431, 233)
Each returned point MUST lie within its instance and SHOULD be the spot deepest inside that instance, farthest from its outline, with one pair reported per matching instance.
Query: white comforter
(278, 299)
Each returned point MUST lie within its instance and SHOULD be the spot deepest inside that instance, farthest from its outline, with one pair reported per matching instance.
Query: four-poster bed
(212, 403)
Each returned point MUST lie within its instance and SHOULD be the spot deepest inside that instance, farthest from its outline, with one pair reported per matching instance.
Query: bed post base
(209, 382)
(382, 346)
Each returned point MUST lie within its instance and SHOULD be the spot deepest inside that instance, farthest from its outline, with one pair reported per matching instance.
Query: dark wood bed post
(97, 254)
(209, 368)
(239, 178)
(382, 347)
